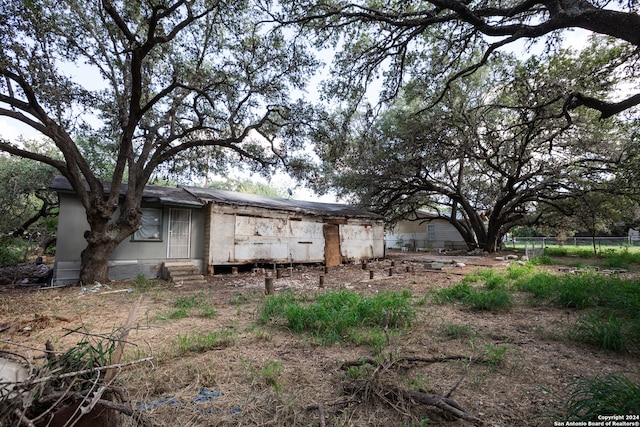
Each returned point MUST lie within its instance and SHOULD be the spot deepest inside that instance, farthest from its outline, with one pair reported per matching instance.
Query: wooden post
(371, 272)
(364, 265)
(326, 269)
(321, 282)
(278, 273)
(268, 285)
(390, 271)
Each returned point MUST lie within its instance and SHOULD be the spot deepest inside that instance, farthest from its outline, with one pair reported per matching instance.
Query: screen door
(179, 233)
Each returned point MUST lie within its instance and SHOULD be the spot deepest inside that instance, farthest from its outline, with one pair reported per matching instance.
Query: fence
(546, 242)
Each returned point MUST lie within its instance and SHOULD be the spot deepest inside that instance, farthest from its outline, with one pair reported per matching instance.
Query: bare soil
(526, 388)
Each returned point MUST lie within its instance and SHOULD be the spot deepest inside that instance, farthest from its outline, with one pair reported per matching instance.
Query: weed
(539, 285)
(357, 372)
(185, 306)
(200, 343)
(492, 300)
(262, 335)
(143, 284)
(456, 331)
(543, 260)
(491, 279)
(611, 394)
(207, 312)
(419, 383)
(271, 374)
(334, 315)
(456, 292)
(519, 270)
(495, 356)
(606, 334)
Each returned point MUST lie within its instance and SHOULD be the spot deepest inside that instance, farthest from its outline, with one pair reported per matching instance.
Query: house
(424, 230)
(210, 228)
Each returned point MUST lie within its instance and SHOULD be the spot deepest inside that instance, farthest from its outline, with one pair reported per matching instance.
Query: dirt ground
(535, 374)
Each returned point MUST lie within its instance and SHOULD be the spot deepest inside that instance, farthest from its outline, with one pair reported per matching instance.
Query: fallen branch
(320, 409)
(75, 374)
(374, 362)
(444, 403)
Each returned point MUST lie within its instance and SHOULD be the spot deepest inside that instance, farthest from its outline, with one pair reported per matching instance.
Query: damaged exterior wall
(246, 234)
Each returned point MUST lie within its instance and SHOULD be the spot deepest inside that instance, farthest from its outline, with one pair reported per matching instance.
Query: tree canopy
(439, 41)
(152, 83)
(493, 154)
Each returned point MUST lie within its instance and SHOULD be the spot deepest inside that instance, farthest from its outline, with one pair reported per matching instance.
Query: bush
(10, 254)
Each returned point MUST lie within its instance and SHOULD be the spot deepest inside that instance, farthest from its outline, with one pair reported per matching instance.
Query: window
(150, 226)
(431, 232)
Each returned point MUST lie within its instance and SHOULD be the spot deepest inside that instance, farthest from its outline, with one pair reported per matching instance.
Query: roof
(198, 197)
(163, 195)
(298, 206)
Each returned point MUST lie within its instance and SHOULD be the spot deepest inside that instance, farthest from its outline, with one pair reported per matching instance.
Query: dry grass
(524, 387)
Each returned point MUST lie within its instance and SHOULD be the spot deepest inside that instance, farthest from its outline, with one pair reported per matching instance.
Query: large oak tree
(493, 154)
(154, 83)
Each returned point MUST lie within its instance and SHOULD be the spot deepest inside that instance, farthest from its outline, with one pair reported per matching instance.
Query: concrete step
(182, 273)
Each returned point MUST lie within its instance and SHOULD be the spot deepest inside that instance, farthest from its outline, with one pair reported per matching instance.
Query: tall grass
(612, 394)
(333, 315)
(493, 296)
(613, 322)
(615, 258)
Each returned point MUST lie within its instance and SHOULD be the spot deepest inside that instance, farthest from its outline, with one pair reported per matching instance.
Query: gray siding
(413, 235)
(129, 259)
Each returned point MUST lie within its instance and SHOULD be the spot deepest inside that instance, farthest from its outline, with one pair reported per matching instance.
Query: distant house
(209, 228)
(425, 230)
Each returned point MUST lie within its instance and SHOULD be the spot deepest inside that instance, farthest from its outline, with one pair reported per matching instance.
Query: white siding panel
(261, 239)
(357, 242)
(306, 242)
(222, 238)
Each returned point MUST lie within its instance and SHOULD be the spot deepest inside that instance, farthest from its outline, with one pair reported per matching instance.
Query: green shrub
(10, 254)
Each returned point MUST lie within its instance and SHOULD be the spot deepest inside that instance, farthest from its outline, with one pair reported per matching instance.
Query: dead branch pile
(75, 388)
(378, 388)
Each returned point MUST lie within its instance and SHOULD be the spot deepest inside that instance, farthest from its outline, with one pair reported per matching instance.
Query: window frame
(159, 213)
(431, 232)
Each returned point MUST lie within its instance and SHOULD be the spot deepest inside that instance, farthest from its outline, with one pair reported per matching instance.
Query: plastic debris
(152, 405)
(205, 395)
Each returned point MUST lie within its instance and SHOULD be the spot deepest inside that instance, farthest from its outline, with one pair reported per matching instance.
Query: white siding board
(222, 238)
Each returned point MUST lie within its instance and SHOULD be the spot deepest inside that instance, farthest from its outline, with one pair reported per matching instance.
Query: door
(332, 255)
(179, 233)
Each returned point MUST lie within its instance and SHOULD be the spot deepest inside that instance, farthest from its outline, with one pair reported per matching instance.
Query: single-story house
(209, 228)
(424, 230)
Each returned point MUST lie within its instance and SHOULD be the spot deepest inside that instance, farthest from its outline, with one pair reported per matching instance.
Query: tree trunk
(102, 240)
(95, 261)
